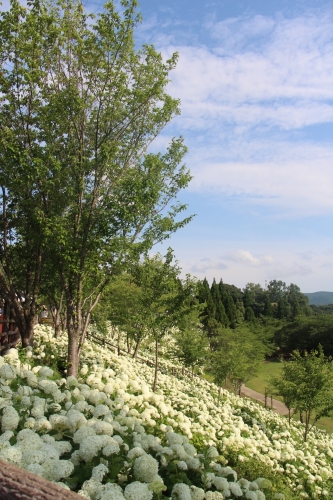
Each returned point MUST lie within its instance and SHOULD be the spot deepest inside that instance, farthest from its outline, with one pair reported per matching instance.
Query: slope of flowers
(108, 436)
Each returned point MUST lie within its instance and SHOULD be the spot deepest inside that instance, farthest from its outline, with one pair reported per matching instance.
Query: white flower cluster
(110, 418)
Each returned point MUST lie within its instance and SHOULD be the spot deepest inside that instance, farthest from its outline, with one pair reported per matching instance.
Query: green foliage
(305, 385)
(191, 343)
(238, 357)
(78, 110)
(306, 333)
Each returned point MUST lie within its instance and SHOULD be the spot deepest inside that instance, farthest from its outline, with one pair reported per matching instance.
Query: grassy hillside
(320, 298)
(109, 437)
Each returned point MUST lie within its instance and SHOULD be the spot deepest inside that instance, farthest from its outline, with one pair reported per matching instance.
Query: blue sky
(255, 79)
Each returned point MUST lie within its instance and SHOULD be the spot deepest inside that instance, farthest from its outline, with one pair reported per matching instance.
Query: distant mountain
(320, 298)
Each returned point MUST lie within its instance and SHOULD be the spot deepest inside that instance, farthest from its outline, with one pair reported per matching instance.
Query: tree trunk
(128, 344)
(156, 365)
(57, 330)
(136, 350)
(73, 351)
(27, 336)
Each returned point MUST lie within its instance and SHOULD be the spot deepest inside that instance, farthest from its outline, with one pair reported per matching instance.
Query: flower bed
(108, 436)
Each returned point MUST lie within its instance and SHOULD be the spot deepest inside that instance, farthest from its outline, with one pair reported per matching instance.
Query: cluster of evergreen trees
(228, 306)
(277, 314)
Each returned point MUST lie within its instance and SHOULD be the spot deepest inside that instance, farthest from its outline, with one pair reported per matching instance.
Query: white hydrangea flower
(11, 454)
(6, 436)
(71, 381)
(24, 390)
(75, 420)
(90, 446)
(93, 488)
(209, 478)
(99, 472)
(10, 419)
(181, 491)
(251, 495)
(35, 468)
(213, 495)
(212, 452)
(81, 406)
(182, 465)
(221, 483)
(32, 457)
(260, 495)
(174, 438)
(235, 489)
(244, 483)
(193, 463)
(59, 422)
(45, 372)
(30, 423)
(11, 354)
(135, 452)
(42, 425)
(119, 439)
(190, 449)
(112, 491)
(62, 446)
(112, 448)
(138, 491)
(197, 493)
(54, 469)
(50, 451)
(101, 410)
(145, 468)
(83, 433)
(101, 427)
(7, 372)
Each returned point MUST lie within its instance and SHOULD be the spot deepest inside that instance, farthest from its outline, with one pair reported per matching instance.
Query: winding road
(277, 405)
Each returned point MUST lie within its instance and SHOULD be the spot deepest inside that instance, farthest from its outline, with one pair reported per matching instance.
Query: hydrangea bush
(107, 436)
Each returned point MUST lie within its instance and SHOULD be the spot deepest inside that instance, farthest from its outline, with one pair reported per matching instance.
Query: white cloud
(245, 257)
(300, 186)
(261, 74)
(249, 267)
(207, 264)
(276, 72)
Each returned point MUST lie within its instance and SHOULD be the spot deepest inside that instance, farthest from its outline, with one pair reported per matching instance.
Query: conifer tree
(220, 314)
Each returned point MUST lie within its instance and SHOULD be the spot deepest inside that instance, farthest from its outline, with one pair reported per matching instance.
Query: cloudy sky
(255, 79)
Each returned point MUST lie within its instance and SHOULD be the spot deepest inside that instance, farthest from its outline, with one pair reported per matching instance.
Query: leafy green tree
(306, 384)
(238, 358)
(276, 290)
(191, 343)
(78, 110)
(268, 310)
(305, 333)
(230, 309)
(150, 299)
(249, 315)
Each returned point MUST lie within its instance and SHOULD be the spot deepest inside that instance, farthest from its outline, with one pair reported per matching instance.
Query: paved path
(277, 405)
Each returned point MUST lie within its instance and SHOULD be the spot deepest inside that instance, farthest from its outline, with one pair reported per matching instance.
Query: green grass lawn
(261, 381)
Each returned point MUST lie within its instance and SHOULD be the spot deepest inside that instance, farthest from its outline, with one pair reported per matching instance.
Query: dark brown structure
(19, 484)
